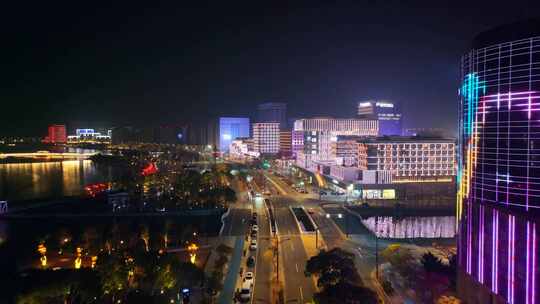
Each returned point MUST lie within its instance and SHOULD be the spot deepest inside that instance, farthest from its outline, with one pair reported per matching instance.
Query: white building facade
(266, 137)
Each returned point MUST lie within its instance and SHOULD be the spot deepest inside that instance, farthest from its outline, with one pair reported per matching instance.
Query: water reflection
(412, 227)
(21, 181)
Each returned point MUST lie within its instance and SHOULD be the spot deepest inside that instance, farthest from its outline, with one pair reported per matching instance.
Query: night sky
(145, 63)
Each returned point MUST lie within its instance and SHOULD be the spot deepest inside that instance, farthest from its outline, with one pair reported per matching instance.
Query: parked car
(248, 277)
(245, 292)
(253, 245)
(322, 193)
(255, 228)
(250, 261)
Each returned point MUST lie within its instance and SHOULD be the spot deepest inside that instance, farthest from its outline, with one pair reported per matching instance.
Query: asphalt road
(293, 257)
(263, 275)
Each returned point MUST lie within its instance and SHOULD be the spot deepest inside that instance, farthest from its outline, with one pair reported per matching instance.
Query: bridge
(47, 155)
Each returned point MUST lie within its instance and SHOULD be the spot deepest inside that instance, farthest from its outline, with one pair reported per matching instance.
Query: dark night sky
(145, 63)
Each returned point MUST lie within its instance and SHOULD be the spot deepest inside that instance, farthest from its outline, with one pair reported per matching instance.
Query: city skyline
(190, 67)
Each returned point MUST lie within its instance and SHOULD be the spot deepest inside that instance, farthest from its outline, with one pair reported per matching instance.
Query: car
(250, 261)
(245, 292)
(310, 211)
(253, 222)
(254, 234)
(248, 277)
(254, 215)
(253, 245)
(322, 193)
(255, 228)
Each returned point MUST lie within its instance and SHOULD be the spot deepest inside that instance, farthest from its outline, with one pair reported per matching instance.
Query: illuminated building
(56, 134)
(498, 205)
(297, 138)
(266, 137)
(273, 112)
(319, 133)
(386, 112)
(231, 128)
(398, 159)
(285, 143)
(89, 135)
(242, 148)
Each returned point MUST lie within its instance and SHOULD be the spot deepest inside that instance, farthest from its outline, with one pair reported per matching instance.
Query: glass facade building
(386, 112)
(231, 128)
(498, 204)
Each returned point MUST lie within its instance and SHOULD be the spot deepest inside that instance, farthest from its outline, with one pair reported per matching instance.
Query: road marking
(301, 295)
(296, 265)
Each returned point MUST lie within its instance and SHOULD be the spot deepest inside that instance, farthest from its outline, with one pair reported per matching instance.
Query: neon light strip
(481, 247)
(494, 252)
(534, 272)
(509, 262)
(527, 265)
(511, 258)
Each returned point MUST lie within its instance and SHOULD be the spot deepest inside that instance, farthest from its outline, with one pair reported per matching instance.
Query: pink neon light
(529, 106)
(527, 265)
(481, 247)
(511, 257)
(534, 265)
(496, 252)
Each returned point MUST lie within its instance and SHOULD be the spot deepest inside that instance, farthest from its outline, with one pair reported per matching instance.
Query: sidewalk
(227, 293)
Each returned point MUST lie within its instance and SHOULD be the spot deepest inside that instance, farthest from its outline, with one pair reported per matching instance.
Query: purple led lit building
(498, 205)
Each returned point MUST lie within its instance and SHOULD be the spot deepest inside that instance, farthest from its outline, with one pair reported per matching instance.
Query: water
(25, 181)
(410, 227)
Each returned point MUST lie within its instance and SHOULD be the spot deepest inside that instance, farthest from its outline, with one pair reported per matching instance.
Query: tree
(431, 263)
(346, 293)
(333, 267)
(229, 195)
(213, 283)
(224, 249)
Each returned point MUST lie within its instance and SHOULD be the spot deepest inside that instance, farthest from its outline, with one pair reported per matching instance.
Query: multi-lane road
(297, 288)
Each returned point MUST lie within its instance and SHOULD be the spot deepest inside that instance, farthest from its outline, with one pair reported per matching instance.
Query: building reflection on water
(22, 181)
(412, 227)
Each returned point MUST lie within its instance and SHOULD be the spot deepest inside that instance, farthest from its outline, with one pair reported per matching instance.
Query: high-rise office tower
(387, 112)
(273, 112)
(498, 205)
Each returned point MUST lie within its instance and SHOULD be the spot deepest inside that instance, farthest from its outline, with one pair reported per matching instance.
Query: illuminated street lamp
(43, 251)
(192, 249)
(78, 260)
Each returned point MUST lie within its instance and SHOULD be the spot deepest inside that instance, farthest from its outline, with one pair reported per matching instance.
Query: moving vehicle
(255, 228)
(253, 245)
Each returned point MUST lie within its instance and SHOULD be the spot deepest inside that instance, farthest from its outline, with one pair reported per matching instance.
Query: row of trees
(118, 276)
(338, 279)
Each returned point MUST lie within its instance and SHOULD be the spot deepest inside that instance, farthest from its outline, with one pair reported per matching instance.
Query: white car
(248, 277)
(245, 292)
(255, 228)
(253, 245)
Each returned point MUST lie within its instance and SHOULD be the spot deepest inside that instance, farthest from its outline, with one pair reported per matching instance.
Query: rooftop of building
(507, 33)
(398, 139)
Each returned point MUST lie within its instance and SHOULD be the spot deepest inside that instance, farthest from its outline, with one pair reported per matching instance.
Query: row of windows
(425, 173)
